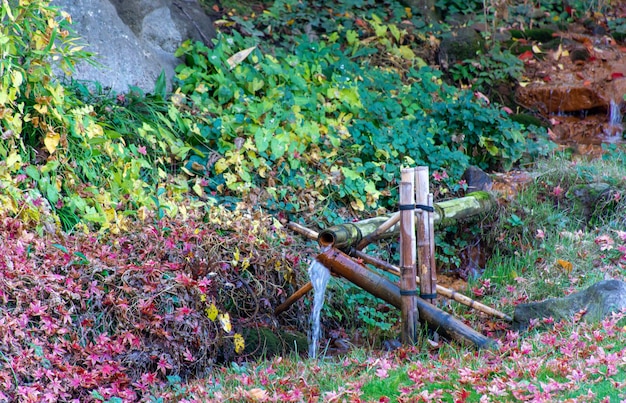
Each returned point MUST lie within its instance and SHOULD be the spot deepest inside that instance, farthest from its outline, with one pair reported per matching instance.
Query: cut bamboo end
(326, 239)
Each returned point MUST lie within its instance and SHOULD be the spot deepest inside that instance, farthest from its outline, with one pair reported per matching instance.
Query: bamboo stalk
(446, 292)
(433, 262)
(423, 234)
(302, 230)
(384, 227)
(342, 265)
(408, 285)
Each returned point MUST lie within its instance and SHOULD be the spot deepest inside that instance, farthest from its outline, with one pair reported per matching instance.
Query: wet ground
(577, 83)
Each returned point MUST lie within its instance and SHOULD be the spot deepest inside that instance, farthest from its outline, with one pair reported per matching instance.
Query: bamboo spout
(341, 264)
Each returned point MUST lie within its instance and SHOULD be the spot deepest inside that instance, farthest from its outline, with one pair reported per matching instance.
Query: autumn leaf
(565, 265)
(51, 141)
(225, 322)
(211, 312)
(239, 57)
(240, 343)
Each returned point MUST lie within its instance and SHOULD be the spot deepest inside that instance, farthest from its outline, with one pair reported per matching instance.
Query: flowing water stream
(614, 128)
(319, 275)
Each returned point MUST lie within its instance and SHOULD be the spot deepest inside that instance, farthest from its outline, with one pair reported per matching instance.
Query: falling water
(319, 275)
(614, 128)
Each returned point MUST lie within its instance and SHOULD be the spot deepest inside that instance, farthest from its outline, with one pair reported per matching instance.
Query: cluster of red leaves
(559, 364)
(84, 317)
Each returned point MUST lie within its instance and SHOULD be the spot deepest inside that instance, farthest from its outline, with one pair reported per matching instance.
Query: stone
(133, 41)
(559, 98)
(459, 45)
(597, 301)
(476, 179)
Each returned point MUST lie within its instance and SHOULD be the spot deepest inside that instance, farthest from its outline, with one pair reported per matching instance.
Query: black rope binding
(428, 296)
(404, 207)
(409, 292)
(424, 207)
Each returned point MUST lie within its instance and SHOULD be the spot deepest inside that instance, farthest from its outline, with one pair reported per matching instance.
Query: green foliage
(453, 7)
(34, 38)
(488, 70)
(93, 158)
(315, 118)
(367, 310)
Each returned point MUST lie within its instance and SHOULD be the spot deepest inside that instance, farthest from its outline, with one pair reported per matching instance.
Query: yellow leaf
(239, 57)
(220, 166)
(225, 322)
(235, 257)
(14, 159)
(536, 49)
(565, 265)
(406, 52)
(358, 205)
(51, 141)
(240, 343)
(198, 189)
(42, 109)
(16, 78)
(211, 312)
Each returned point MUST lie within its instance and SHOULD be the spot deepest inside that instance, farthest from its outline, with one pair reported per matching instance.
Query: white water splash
(614, 127)
(319, 275)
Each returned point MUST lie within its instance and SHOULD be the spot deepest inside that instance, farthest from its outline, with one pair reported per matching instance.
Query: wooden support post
(431, 229)
(408, 285)
(424, 262)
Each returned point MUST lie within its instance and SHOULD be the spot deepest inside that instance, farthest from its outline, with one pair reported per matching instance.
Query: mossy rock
(597, 301)
(535, 34)
(266, 342)
(460, 45)
(527, 120)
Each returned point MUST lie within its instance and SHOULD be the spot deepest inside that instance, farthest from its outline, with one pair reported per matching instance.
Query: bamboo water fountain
(415, 222)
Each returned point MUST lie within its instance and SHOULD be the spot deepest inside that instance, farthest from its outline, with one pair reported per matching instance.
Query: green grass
(547, 228)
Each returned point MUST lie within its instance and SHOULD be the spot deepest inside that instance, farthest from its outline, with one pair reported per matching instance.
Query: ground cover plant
(143, 240)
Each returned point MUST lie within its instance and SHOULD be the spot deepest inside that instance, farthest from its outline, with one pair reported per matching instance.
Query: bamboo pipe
(345, 235)
(442, 322)
(388, 267)
(446, 292)
(302, 230)
(293, 298)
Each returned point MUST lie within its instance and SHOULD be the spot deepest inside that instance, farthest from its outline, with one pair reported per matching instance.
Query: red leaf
(616, 74)
(526, 55)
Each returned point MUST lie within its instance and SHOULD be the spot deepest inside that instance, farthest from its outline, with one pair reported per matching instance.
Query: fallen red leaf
(616, 74)
(526, 55)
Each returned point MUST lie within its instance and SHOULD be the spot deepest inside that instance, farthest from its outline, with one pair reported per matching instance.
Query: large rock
(134, 40)
(597, 302)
